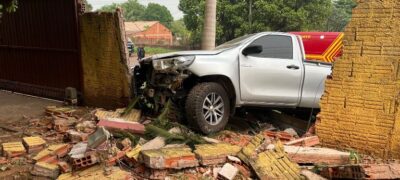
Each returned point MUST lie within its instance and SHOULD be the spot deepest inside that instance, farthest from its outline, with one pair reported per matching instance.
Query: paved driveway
(13, 106)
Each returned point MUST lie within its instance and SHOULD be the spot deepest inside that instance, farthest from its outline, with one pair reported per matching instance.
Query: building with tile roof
(148, 33)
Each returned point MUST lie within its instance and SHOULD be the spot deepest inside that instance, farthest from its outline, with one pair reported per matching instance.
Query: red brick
(52, 153)
(76, 136)
(382, 171)
(33, 144)
(132, 127)
(281, 135)
(3, 160)
(165, 158)
(64, 167)
(112, 161)
(13, 149)
(124, 144)
(46, 169)
(89, 160)
(317, 155)
(306, 141)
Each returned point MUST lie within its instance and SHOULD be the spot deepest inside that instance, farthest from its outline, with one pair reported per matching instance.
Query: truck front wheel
(208, 107)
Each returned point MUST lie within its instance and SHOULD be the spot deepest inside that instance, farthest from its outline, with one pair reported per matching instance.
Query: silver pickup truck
(265, 69)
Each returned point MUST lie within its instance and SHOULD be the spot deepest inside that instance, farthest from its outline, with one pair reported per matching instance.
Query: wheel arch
(226, 83)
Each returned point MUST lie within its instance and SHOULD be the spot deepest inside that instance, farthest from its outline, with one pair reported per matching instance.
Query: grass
(158, 50)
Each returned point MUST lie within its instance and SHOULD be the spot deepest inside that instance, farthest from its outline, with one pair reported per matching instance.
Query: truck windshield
(234, 42)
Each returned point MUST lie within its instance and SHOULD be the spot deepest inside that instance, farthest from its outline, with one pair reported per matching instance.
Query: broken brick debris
(305, 141)
(13, 149)
(124, 144)
(234, 138)
(62, 125)
(133, 116)
(77, 136)
(88, 160)
(159, 142)
(34, 144)
(343, 172)
(311, 175)
(86, 126)
(100, 136)
(117, 156)
(51, 153)
(132, 127)
(228, 172)
(212, 154)
(4, 160)
(274, 164)
(54, 110)
(64, 167)
(97, 173)
(78, 150)
(133, 154)
(317, 155)
(382, 171)
(169, 158)
(249, 151)
(234, 159)
(270, 164)
(156, 173)
(281, 135)
(46, 169)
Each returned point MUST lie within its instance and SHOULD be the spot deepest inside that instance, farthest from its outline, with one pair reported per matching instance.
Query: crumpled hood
(186, 53)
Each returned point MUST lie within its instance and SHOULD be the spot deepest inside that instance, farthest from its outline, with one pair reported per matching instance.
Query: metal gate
(40, 48)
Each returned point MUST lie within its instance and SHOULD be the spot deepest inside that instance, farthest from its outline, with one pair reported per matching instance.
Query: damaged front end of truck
(157, 80)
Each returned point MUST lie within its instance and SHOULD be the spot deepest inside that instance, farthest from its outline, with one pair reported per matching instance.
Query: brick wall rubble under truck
(360, 107)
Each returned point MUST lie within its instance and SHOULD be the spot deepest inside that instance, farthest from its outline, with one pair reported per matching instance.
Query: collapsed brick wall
(360, 107)
(105, 71)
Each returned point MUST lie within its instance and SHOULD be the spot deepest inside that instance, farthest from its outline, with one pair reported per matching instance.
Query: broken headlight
(173, 63)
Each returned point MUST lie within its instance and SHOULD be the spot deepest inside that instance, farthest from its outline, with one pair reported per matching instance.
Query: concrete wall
(104, 57)
(360, 107)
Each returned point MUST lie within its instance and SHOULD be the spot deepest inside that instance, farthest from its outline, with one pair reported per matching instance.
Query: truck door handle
(294, 67)
(246, 65)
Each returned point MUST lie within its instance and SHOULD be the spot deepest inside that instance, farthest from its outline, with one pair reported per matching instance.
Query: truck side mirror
(253, 49)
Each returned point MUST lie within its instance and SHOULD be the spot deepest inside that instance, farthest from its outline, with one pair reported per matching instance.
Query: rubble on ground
(73, 144)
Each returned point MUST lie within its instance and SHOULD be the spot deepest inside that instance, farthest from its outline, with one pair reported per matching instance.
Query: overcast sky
(172, 5)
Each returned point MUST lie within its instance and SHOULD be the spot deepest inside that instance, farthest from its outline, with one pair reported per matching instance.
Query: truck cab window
(274, 46)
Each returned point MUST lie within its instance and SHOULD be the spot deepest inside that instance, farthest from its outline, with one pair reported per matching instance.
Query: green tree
(8, 6)
(132, 9)
(88, 6)
(109, 8)
(180, 31)
(156, 12)
(341, 15)
(239, 17)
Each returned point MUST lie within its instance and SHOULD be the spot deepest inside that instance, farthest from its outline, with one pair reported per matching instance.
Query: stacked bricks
(104, 60)
(360, 106)
(34, 144)
(169, 158)
(212, 154)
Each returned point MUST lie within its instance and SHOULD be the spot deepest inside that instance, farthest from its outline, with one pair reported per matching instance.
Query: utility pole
(208, 39)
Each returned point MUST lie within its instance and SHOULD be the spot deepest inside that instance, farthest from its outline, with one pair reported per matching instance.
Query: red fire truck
(322, 46)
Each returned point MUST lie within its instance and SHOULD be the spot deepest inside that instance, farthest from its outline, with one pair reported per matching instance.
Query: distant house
(148, 33)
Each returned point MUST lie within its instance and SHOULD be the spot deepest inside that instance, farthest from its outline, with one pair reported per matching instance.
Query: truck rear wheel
(207, 107)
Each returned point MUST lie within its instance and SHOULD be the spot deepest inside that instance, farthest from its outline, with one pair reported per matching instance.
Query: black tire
(194, 107)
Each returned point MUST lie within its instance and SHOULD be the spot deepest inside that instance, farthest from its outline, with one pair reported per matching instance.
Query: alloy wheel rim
(213, 108)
